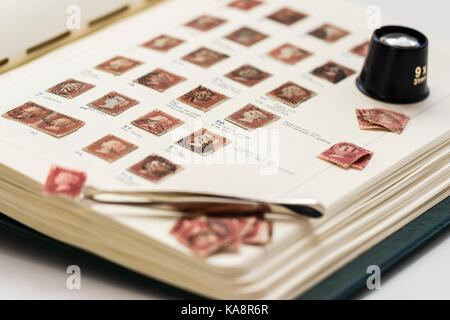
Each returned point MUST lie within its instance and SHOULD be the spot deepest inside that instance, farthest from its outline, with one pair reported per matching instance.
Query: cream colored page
(291, 169)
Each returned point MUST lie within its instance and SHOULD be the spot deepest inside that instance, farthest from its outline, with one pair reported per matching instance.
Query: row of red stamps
(206, 235)
(44, 119)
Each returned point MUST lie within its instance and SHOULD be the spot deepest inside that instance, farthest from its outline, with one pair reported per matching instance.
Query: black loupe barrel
(396, 69)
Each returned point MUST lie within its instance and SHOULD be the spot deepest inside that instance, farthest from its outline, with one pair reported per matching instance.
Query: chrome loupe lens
(398, 39)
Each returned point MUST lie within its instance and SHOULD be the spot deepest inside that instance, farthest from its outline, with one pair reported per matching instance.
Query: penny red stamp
(163, 43)
(289, 54)
(287, 16)
(205, 23)
(361, 50)
(362, 162)
(329, 33)
(159, 80)
(202, 98)
(248, 75)
(386, 119)
(157, 122)
(203, 142)
(345, 155)
(245, 5)
(58, 125)
(155, 168)
(332, 72)
(64, 181)
(28, 113)
(246, 36)
(291, 94)
(113, 103)
(70, 88)
(110, 148)
(118, 65)
(204, 57)
(251, 117)
(362, 115)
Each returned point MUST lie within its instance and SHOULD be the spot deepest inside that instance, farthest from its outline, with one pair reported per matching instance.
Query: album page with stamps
(237, 99)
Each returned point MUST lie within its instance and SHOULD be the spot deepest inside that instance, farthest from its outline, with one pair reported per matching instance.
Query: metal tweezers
(205, 203)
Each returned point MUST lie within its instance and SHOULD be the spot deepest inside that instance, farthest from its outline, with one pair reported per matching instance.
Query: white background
(30, 270)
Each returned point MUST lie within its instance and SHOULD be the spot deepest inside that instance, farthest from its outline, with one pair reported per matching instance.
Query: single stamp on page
(291, 94)
(202, 98)
(329, 33)
(70, 88)
(248, 75)
(28, 113)
(203, 142)
(58, 125)
(159, 80)
(155, 168)
(289, 53)
(162, 43)
(113, 103)
(287, 16)
(204, 57)
(332, 72)
(361, 50)
(246, 36)
(64, 181)
(157, 122)
(205, 23)
(347, 155)
(118, 65)
(110, 148)
(251, 117)
(245, 5)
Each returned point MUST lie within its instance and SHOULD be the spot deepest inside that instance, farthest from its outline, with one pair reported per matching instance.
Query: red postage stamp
(246, 36)
(205, 235)
(58, 125)
(203, 142)
(159, 80)
(28, 113)
(346, 154)
(203, 98)
(287, 16)
(204, 57)
(362, 162)
(332, 72)
(118, 65)
(245, 5)
(361, 50)
(291, 94)
(162, 43)
(155, 168)
(113, 103)
(329, 33)
(362, 115)
(110, 148)
(205, 23)
(289, 54)
(157, 122)
(381, 119)
(251, 117)
(248, 75)
(259, 233)
(70, 88)
(64, 181)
